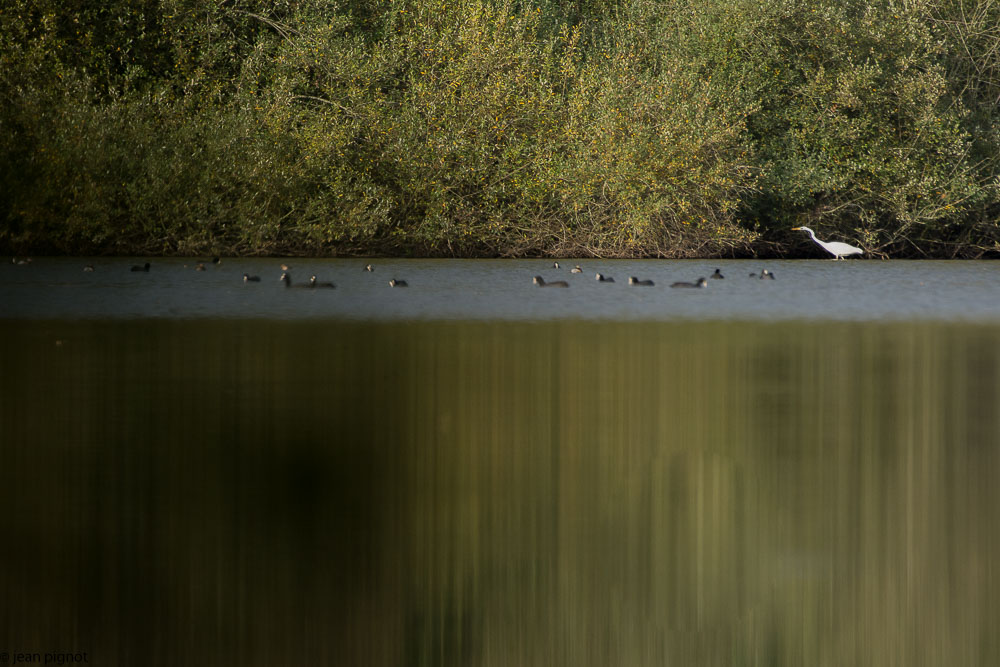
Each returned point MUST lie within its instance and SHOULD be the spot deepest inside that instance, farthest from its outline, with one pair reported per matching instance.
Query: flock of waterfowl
(315, 283)
(632, 280)
(286, 277)
(837, 249)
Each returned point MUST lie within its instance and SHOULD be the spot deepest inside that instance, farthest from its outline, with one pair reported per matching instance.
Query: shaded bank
(498, 128)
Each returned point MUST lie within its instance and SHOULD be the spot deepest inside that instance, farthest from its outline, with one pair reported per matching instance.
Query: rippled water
(503, 290)
(370, 476)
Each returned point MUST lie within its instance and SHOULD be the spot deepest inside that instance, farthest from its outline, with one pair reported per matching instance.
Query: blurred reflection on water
(302, 493)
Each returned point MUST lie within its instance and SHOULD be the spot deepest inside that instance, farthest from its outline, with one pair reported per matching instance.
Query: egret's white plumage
(836, 248)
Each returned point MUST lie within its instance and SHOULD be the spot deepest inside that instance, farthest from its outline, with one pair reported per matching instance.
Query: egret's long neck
(812, 234)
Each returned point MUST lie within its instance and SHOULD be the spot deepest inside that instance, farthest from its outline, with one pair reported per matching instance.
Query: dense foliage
(499, 127)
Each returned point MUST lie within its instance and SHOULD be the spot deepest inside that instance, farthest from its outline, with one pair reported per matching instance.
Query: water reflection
(474, 494)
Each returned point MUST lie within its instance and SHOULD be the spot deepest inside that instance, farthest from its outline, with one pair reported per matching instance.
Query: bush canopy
(642, 128)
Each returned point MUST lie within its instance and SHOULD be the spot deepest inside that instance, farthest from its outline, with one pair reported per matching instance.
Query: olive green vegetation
(673, 128)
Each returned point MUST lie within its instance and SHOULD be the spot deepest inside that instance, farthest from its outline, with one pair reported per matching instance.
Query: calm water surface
(503, 290)
(475, 471)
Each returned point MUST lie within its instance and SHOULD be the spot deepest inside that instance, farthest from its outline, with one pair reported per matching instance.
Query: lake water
(476, 471)
(503, 290)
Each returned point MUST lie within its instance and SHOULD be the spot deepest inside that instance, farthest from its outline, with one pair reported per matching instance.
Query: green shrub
(498, 128)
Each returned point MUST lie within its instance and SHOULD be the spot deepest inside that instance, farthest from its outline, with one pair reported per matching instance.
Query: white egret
(836, 248)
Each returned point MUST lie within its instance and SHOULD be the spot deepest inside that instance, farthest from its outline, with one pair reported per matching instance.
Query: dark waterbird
(398, 283)
(247, 278)
(144, 268)
(601, 278)
(369, 268)
(717, 275)
(287, 279)
(314, 283)
(763, 275)
(632, 280)
(538, 280)
(700, 283)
